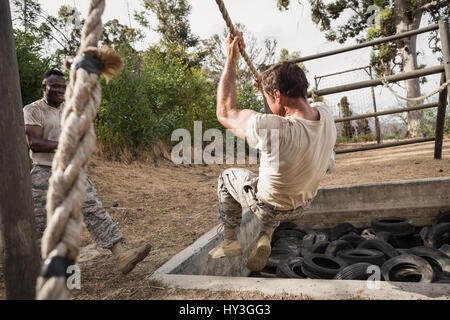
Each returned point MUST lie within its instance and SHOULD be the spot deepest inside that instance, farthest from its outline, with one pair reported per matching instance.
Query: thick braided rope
(417, 99)
(67, 185)
(230, 26)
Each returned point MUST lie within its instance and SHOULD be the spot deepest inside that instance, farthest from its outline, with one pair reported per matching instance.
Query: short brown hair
(288, 78)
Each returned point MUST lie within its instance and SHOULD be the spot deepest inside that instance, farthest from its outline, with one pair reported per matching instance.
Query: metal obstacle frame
(368, 70)
(444, 70)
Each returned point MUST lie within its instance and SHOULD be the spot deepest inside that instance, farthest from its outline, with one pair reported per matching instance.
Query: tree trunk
(408, 50)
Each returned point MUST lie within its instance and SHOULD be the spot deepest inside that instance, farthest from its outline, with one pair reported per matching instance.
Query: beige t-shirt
(39, 113)
(290, 170)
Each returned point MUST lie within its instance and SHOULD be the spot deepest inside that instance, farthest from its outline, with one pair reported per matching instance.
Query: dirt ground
(171, 206)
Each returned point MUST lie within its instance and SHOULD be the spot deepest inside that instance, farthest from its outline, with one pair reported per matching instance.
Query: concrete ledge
(419, 200)
(311, 289)
(194, 259)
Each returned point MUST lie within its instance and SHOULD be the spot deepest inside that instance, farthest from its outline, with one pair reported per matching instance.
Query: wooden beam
(21, 259)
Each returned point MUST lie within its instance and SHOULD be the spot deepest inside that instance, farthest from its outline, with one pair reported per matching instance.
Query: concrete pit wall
(418, 200)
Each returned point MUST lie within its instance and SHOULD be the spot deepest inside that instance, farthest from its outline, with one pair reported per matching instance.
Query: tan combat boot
(261, 252)
(229, 247)
(128, 259)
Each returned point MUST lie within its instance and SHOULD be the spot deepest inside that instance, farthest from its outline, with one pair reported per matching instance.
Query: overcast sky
(293, 30)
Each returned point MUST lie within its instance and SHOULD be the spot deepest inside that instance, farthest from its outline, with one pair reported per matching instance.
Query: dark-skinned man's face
(54, 88)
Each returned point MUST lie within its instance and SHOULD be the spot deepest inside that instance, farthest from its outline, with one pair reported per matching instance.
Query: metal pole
(383, 113)
(22, 261)
(445, 42)
(374, 101)
(368, 43)
(316, 81)
(341, 72)
(377, 82)
(385, 145)
(440, 121)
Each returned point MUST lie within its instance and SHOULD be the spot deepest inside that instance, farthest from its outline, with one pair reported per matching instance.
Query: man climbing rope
(295, 142)
(42, 127)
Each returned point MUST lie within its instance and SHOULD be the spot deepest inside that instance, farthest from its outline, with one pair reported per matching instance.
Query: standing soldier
(42, 127)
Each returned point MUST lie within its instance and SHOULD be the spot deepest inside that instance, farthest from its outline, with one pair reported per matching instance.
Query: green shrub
(155, 94)
(428, 122)
(32, 65)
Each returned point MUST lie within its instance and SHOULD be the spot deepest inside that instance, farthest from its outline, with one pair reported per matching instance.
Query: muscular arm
(36, 142)
(227, 112)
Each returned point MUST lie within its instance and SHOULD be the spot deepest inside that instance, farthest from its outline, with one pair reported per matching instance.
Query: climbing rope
(230, 26)
(440, 89)
(67, 185)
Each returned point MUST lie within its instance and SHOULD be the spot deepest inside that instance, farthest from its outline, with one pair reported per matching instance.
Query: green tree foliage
(348, 131)
(32, 65)
(173, 24)
(370, 19)
(174, 28)
(428, 125)
(116, 34)
(286, 56)
(165, 87)
(152, 98)
(283, 4)
(64, 29)
(25, 14)
(215, 46)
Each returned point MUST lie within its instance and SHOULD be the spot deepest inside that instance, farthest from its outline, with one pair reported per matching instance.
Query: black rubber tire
(438, 235)
(443, 217)
(353, 238)
(291, 268)
(420, 266)
(341, 229)
(276, 255)
(357, 271)
(291, 243)
(322, 266)
(352, 256)
(387, 237)
(320, 247)
(445, 248)
(322, 235)
(336, 246)
(307, 244)
(309, 274)
(424, 233)
(446, 281)
(399, 227)
(437, 259)
(288, 233)
(379, 245)
(413, 240)
(286, 225)
(407, 273)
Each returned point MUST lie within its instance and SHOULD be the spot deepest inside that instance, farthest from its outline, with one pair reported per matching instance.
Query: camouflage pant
(102, 228)
(237, 190)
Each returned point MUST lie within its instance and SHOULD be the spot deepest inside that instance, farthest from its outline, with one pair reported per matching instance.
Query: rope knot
(104, 62)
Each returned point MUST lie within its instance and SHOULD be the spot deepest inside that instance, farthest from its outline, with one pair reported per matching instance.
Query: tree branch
(363, 18)
(54, 27)
(428, 5)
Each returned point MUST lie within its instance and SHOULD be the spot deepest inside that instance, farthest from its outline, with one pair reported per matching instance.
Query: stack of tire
(391, 250)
